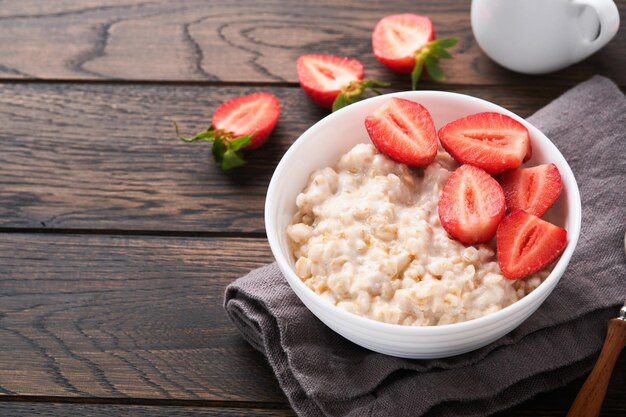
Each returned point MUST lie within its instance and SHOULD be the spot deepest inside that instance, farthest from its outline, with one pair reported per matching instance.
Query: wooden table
(117, 240)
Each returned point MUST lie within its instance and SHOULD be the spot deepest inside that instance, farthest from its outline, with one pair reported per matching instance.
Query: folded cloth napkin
(324, 374)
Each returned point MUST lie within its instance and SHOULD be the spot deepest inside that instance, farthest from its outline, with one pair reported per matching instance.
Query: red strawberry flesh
(254, 114)
(471, 205)
(491, 141)
(533, 190)
(397, 37)
(404, 131)
(526, 244)
(323, 76)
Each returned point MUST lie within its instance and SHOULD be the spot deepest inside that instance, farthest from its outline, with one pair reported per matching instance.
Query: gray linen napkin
(323, 374)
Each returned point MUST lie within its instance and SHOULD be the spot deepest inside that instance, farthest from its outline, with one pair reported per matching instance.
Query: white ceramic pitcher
(540, 36)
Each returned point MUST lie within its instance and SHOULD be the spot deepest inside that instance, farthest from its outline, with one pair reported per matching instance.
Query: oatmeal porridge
(367, 237)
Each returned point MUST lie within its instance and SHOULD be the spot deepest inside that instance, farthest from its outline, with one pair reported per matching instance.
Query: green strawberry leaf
(440, 54)
(226, 151)
(353, 92)
(417, 71)
(232, 159)
(208, 135)
(342, 100)
(218, 150)
(240, 142)
(428, 56)
(445, 42)
(434, 70)
(374, 83)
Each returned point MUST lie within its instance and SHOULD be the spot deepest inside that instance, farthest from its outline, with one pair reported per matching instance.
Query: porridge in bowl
(367, 237)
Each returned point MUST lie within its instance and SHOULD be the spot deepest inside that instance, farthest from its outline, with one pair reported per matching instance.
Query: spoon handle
(589, 400)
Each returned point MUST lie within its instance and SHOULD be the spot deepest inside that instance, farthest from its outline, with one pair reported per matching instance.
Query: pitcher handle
(608, 15)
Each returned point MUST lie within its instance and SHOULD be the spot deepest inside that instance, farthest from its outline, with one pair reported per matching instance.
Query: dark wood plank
(140, 319)
(102, 316)
(557, 402)
(26, 409)
(104, 157)
(542, 406)
(239, 40)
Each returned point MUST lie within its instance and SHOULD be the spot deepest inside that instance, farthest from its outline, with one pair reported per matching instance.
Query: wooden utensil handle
(589, 400)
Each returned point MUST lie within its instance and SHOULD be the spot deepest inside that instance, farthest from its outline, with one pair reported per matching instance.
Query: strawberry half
(242, 123)
(471, 205)
(533, 190)
(404, 43)
(253, 115)
(333, 81)
(404, 131)
(491, 141)
(527, 244)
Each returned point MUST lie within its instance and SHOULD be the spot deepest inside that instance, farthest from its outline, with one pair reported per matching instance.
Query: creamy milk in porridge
(367, 237)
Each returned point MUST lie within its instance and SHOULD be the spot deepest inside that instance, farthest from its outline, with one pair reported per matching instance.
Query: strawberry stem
(428, 56)
(208, 135)
(226, 148)
(353, 92)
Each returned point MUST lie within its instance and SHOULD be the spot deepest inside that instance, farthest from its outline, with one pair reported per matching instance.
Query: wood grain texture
(589, 400)
(240, 41)
(556, 403)
(544, 405)
(140, 319)
(104, 156)
(107, 410)
(94, 323)
(102, 316)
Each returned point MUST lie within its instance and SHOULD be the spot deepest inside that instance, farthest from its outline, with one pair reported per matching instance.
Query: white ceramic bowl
(323, 144)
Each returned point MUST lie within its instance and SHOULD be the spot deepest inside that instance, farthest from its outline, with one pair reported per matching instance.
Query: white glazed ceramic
(540, 36)
(322, 145)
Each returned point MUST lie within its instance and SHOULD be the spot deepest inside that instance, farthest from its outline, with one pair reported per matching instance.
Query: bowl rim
(271, 211)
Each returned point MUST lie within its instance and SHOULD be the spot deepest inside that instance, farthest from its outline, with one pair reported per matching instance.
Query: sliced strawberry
(397, 37)
(323, 76)
(241, 123)
(471, 205)
(404, 43)
(491, 141)
(254, 114)
(333, 81)
(529, 151)
(533, 190)
(527, 244)
(404, 131)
